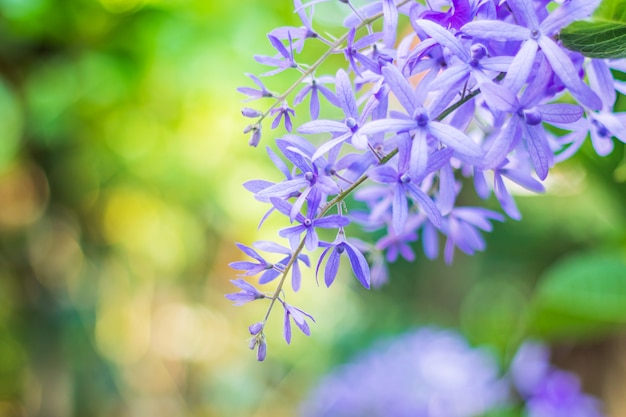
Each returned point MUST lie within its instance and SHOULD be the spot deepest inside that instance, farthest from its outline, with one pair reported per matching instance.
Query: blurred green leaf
(602, 37)
(493, 313)
(10, 125)
(581, 296)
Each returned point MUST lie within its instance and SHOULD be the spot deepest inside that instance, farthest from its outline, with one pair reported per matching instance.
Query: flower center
(535, 34)
(307, 222)
(404, 179)
(421, 116)
(350, 123)
(601, 129)
(532, 117)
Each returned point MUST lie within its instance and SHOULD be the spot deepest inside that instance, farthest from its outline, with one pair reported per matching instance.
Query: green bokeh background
(121, 164)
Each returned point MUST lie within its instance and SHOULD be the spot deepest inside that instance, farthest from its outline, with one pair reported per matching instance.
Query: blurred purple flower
(426, 373)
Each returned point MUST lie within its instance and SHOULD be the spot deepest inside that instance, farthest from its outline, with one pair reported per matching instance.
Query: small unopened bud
(255, 328)
(262, 350)
(256, 136)
(249, 112)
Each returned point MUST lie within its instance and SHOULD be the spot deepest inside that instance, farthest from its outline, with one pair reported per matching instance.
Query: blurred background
(121, 164)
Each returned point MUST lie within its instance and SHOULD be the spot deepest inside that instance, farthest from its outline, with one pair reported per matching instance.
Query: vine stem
(333, 48)
(342, 195)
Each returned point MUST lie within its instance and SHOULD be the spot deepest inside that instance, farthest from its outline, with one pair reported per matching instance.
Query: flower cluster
(432, 372)
(466, 99)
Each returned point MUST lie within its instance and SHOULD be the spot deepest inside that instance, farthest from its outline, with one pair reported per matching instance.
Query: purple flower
(357, 261)
(298, 34)
(462, 227)
(283, 110)
(526, 117)
(307, 224)
(402, 186)
(253, 268)
(296, 275)
(534, 36)
(248, 293)
(253, 93)
(313, 86)
(427, 372)
(353, 55)
(285, 59)
(548, 391)
(420, 124)
(299, 318)
(349, 129)
(312, 184)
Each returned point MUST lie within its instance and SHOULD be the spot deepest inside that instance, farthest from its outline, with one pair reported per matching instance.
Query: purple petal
(447, 189)
(296, 276)
(524, 10)
(499, 98)
(495, 30)
(521, 66)
(454, 138)
(401, 88)
(282, 189)
(311, 239)
(250, 252)
(525, 180)
(419, 155)
(287, 326)
(262, 350)
(254, 186)
(601, 80)
(503, 143)
(359, 265)
(388, 125)
(323, 126)
(400, 208)
(560, 113)
(343, 88)
(268, 276)
(505, 199)
(384, 174)
(566, 14)
(332, 266)
(538, 148)
(444, 38)
(426, 204)
(331, 222)
(390, 23)
(328, 146)
(563, 67)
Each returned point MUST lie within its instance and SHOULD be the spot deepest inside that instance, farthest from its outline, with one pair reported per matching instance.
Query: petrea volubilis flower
(466, 90)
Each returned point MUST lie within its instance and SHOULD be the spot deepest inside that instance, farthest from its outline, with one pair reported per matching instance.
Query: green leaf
(604, 36)
(581, 296)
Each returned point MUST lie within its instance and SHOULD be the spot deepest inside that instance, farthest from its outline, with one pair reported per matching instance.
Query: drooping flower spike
(463, 95)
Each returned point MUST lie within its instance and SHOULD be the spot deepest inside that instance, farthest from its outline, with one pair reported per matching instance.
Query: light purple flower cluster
(434, 373)
(428, 373)
(548, 391)
(465, 98)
